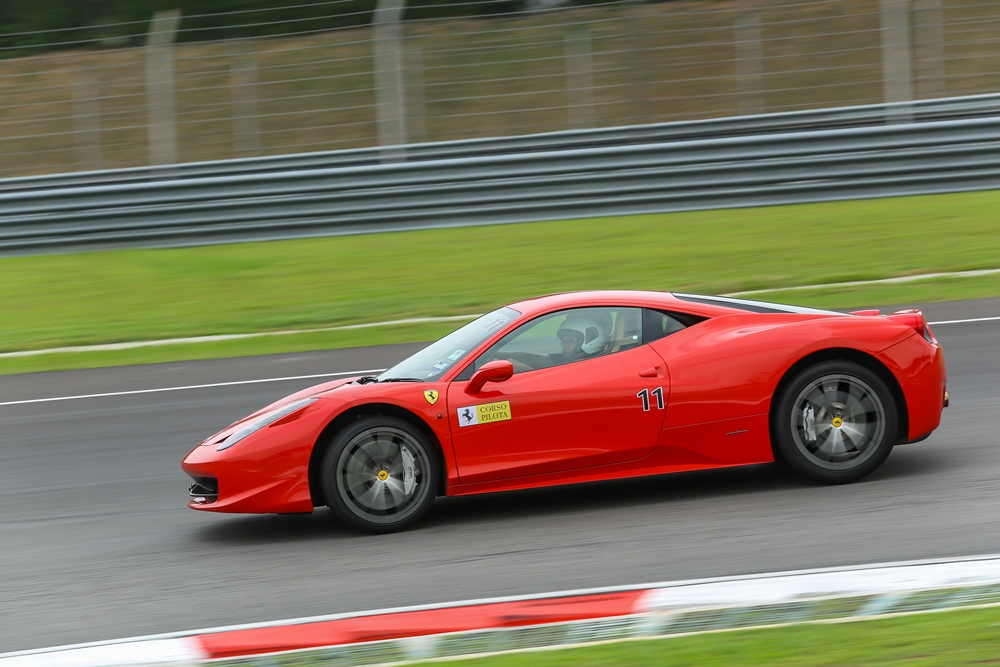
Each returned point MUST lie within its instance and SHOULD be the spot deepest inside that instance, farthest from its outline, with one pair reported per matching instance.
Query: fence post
(416, 105)
(749, 63)
(897, 75)
(579, 78)
(160, 87)
(246, 111)
(86, 120)
(390, 90)
(928, 33)
(638, 66)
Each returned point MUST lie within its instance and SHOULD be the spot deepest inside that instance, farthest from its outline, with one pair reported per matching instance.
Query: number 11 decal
(656, 393)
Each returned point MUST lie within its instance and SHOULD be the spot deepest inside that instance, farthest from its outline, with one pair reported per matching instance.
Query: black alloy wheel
(835, 422)
(380, 474)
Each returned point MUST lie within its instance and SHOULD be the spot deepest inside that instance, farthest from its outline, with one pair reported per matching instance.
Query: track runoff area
(560, 620)
(556, 620)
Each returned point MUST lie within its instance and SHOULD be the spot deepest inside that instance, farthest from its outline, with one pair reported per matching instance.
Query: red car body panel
(564, 417)
(924, 382)
(584, 421)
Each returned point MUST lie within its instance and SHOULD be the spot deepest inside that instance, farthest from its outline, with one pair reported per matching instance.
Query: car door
(720, 395)
(600, 409)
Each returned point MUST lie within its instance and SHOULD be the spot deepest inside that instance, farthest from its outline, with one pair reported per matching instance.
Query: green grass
(860, 296)
(115, 296)
(946, 639)
(324, 340)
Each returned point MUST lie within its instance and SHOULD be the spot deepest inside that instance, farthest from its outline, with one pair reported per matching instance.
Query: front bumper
(267, 472)
(242, 488)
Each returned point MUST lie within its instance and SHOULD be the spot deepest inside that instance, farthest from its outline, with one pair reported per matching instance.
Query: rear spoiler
(911, 317)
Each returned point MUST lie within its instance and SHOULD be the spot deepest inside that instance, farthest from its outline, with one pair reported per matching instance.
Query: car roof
(695, 304)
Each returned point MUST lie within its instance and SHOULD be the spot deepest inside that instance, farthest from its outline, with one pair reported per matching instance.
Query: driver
(580, 337)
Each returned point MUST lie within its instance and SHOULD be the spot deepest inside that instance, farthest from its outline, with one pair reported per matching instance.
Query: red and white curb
(876, 588)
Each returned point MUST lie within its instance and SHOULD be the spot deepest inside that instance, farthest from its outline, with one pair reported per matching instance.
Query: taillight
(914, 318)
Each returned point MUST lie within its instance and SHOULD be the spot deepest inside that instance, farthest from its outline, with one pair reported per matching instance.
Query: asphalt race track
(96, 543)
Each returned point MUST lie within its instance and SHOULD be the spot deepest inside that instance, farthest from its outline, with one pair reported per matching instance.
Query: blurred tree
(29, 25)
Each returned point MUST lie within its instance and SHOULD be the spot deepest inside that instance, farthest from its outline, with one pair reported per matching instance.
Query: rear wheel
(836, 422)
(379, 474)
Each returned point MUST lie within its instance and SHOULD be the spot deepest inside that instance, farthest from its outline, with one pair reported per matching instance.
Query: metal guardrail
(955, 108)
(667, 171)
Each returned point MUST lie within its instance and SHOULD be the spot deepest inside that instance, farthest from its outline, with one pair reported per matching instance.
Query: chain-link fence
(89, 105)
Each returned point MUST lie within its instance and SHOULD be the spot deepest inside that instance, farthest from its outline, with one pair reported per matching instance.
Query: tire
(835, 422)
(380, 474)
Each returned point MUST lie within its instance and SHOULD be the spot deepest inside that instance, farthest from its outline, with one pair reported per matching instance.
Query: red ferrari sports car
(580, 387)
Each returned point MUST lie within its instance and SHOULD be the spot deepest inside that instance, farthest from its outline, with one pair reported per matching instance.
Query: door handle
(650, 372)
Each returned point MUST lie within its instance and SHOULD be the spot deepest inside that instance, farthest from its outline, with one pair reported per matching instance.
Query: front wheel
(835, 423)
(380, 474)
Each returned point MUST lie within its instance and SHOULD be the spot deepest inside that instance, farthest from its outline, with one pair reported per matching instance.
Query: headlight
(264, 420)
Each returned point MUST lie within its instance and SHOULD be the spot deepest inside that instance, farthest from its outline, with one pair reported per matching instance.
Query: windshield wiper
(367, 379)
(401, 380)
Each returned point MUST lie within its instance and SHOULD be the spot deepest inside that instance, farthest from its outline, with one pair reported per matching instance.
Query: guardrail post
(86, 120)
(897, 75)
(160, 87)
(749, 63)
(579, 78)
(246, 112)
(390, 91)
(928, 33)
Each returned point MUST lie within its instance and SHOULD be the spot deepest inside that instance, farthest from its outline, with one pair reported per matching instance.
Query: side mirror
(493, 371)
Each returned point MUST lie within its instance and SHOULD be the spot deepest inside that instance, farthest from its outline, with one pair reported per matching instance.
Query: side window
(564, 337)
(657, 324)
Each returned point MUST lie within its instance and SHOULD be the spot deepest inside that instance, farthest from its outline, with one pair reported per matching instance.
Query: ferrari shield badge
(431, 395)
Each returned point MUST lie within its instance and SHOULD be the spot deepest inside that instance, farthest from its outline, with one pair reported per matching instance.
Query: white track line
(305, 377)
(975, 319)
(192, 386)
(881, 281)
(211, 339)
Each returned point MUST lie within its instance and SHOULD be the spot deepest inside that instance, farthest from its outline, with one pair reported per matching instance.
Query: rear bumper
(920, 370)
(915, 440)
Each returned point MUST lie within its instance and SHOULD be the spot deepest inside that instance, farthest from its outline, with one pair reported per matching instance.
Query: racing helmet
(590, 335)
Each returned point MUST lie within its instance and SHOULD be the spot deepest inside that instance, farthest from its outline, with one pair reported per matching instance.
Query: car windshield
(431, 362)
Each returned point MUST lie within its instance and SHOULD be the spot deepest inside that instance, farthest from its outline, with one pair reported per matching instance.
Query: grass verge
(941, 639)
(106, 297)
(300, 342)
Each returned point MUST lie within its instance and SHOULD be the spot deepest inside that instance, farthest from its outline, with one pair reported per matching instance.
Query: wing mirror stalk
(494, 371)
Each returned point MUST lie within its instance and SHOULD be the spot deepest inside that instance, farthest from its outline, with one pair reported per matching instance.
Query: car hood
(316, 390)
(308, 392)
